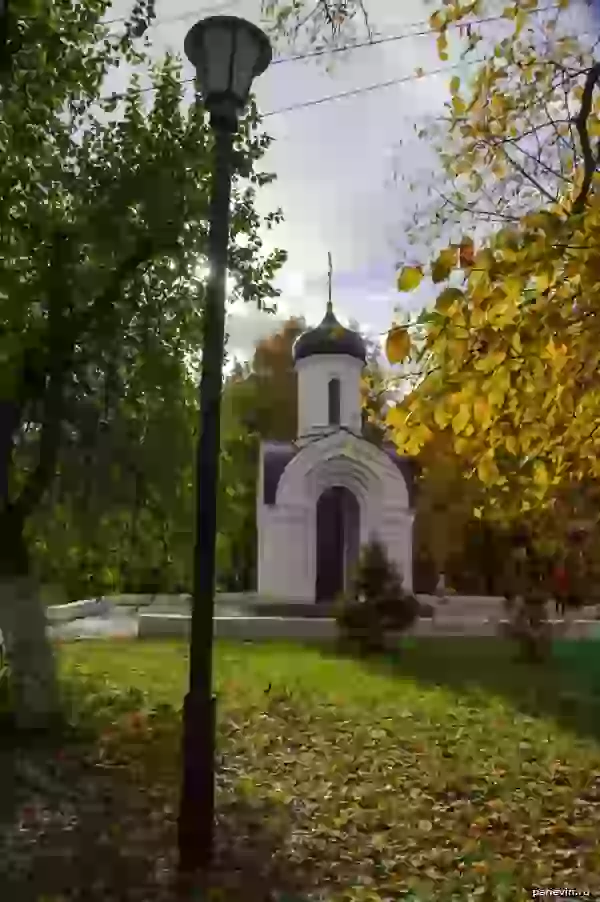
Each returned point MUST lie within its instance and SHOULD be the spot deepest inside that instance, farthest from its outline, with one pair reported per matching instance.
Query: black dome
(330, 337)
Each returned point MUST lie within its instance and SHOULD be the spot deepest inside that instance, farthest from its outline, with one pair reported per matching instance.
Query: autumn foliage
(510, 351)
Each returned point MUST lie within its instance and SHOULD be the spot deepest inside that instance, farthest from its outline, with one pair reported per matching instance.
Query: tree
(259, 403)
(376, 395)
(325, 24)
(102, 225)
(118, 516)
(510, 357)
(377, 602)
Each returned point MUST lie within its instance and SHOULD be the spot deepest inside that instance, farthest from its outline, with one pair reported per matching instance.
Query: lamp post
(227, 53)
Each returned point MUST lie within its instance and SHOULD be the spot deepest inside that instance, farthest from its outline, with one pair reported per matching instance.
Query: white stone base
(243, 628)
(89, 607)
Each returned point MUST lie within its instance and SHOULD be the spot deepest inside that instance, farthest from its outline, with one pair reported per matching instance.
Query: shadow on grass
(477, 665)
(77, 823)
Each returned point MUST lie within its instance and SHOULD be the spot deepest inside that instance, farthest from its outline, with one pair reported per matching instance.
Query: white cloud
(333, 161)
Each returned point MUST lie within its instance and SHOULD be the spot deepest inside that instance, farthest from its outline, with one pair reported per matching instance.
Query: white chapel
(325, 495)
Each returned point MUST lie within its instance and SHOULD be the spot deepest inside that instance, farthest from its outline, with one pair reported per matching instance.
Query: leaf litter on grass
(393, 788)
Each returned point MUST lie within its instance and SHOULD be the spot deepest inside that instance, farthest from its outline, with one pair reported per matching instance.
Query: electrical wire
(356, 45)
(342, 95)
(330, 97)
(370, 42)
(327, 50)
(361, 44)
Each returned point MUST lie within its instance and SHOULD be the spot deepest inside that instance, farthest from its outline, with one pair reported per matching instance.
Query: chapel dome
(330, 337)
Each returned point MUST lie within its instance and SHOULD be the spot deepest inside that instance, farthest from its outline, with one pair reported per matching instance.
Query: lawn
(346, 782)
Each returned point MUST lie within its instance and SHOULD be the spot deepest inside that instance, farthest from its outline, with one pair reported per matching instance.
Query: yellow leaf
(436, 21)
(543, 280)
(461, 419)
(482, 412)
(409, 278)
(461, 445)
(516, 343)
(540, 473)
(446, 299)
(467, 253)
(454, 84)
(459, 108)
(498, 104)
(410, 441)
(487, 470)
(458, 349)
(478, 317)
(520, 20)
(442, 44)
(444, 264)
(397, 344)
(397, 416)
(442, 417)
(513, 287)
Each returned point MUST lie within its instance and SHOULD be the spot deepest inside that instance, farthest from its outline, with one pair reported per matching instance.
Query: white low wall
(89, 607)
(249, 628)
(455, 626)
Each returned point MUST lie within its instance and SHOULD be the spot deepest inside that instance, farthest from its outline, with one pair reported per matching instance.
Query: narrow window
(334, 402)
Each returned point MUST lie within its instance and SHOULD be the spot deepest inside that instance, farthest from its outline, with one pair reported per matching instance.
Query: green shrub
(528, 626)
(377, 602)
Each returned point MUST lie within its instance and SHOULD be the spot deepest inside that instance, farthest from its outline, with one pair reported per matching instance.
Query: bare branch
(590, 162)
(467, 208)
(539, 162)
(569, 117)
(529, 177)
(367, 21)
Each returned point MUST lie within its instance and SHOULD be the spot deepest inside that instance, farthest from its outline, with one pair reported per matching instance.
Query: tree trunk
(29, 653)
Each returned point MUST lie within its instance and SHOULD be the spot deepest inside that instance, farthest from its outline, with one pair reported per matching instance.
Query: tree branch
(529, 177)
(471, 209)
(63, 333)
(590, 162)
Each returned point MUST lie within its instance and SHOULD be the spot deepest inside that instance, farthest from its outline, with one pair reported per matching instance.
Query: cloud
(333, 163)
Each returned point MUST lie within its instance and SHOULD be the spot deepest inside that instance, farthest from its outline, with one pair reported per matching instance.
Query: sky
(334, 163)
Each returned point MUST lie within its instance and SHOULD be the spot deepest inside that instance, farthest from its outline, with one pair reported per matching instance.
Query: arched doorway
(338, 541)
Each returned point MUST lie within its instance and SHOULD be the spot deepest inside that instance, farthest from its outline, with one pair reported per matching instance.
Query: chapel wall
(314, 374)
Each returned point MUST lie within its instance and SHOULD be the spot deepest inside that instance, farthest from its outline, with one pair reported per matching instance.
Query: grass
(426, 773)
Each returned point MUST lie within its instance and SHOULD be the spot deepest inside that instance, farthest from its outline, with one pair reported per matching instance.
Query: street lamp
(227, 53)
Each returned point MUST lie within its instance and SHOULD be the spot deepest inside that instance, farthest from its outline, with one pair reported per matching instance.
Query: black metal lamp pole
(227, 53)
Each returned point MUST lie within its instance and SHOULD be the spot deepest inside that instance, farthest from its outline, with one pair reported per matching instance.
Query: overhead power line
(344, 49)
(330, 97)
(342, 95)
(389, 39)
(354, 45)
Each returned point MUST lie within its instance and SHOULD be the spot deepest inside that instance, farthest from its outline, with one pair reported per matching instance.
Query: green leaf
(445, 263)
(409, 278)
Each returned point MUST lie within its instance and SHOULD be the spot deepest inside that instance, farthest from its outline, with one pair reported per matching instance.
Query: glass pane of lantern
(246, 57)
(218, 46)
